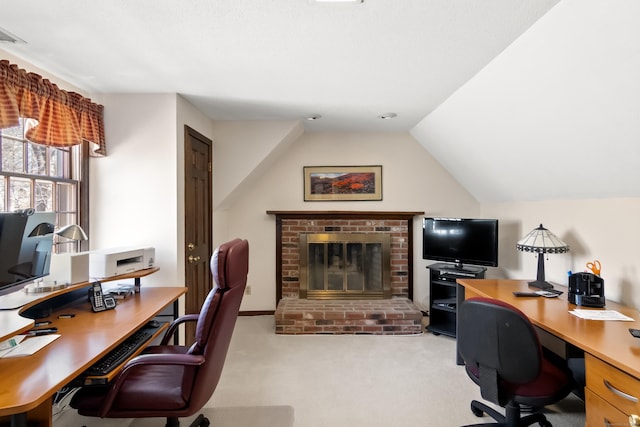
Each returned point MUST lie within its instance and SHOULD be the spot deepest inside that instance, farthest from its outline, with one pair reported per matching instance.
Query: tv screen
(26, 242)
(461, 241)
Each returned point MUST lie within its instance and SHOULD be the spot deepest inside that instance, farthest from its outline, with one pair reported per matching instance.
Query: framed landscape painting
(342, 183)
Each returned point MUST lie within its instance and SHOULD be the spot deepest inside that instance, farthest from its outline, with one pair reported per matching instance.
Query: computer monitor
(26, 243)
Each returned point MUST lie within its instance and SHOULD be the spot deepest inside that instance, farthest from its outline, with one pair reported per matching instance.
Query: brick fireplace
(392, 313)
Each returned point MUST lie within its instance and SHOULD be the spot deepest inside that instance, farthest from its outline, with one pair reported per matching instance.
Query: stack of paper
(20, 346)
(600, 315)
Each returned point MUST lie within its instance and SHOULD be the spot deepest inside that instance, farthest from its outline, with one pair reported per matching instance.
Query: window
(43, 178)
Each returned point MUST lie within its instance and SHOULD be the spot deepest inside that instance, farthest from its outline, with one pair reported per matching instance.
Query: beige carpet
(239, 416)
(231, 416)
(356, 381)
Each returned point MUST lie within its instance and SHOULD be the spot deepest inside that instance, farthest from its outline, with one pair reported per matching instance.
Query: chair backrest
(497, 343)
(229, 267)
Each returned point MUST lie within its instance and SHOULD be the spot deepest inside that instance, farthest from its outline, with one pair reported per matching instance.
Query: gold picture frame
(342, 183)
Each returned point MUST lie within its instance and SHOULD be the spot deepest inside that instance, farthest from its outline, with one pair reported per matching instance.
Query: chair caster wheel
(477, 411)
(200, 421)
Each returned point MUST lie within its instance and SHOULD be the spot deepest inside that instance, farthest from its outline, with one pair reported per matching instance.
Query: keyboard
(121, 353)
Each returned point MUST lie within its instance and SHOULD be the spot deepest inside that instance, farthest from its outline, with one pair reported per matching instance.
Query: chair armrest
(145, 360)
(173, 327)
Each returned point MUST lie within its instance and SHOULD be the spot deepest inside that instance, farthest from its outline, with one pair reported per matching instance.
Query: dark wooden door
(198, 222)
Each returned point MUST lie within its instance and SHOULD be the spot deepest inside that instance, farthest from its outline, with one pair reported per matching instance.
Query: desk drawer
(611, 384)
(600, 413)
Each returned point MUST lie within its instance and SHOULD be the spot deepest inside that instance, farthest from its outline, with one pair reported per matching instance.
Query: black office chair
(503, 356)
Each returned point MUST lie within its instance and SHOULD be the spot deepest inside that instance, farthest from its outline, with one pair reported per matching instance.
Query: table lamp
(541, 241)
(70, 231)
(42, 229)
(73, 232)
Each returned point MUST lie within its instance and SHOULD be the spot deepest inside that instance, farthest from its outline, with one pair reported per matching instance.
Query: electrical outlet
(247, 290)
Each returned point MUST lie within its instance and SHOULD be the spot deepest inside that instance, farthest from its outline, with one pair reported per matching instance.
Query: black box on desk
(586, 289)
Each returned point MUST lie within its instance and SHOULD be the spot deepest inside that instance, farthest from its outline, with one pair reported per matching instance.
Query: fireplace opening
(345, 266)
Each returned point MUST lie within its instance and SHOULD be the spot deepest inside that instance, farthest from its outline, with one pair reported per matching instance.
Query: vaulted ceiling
(511, 96)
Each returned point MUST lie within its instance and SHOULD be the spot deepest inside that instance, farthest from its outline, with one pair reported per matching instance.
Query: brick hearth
(379, 317)
(293, 315)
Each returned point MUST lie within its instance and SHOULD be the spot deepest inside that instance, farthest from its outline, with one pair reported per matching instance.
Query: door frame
(188, 134)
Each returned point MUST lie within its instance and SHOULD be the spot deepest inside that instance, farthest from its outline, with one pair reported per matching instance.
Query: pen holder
(586, 289)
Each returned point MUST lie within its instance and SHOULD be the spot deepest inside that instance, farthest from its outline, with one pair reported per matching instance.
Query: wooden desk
(612, 355)
(15, 303)
(27, 384)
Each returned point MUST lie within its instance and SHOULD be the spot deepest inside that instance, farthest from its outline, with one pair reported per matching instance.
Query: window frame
(78, 171)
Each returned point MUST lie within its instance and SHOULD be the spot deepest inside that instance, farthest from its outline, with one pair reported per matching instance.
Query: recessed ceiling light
(313, 117)
(387, 116)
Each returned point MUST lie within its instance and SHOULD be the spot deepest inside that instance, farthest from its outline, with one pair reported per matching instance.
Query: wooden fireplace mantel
(346, 214)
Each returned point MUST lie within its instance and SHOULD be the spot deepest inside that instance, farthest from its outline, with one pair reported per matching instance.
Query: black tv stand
(460, 269)
(443, 296)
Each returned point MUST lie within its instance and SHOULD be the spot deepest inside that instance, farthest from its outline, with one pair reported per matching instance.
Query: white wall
(603, 229)
(133, 190)
(554, 116)
(249, 148)
(411, 181)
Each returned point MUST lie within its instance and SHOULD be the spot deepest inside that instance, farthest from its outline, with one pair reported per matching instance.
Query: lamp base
(541, 284)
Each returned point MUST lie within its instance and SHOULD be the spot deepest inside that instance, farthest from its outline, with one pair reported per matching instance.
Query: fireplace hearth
(340, 288)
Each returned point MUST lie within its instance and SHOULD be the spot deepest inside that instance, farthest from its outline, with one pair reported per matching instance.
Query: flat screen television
(461, 241)
(25, 248)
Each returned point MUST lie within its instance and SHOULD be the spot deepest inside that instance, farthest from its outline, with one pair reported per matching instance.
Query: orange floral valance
(63, 118)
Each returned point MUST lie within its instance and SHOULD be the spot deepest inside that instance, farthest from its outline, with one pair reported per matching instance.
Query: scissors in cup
(595, 267)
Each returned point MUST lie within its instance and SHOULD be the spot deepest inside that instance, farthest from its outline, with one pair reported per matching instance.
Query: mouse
(154, 324)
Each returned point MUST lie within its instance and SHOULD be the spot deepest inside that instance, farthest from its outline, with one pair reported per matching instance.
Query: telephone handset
(100, 301)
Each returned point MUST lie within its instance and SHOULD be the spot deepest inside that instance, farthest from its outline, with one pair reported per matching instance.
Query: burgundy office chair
(175, 381)
(503, 356)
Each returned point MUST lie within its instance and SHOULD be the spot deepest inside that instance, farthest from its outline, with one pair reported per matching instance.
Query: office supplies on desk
(29, 346)
(552, 293)
(595, 267)
(99, 300)
(11, 342)
(526, 294)
(66, 316)
(586, 289)
(600, 315)
(121, 292)
(38, 332)
(549, 294)
(43, 323)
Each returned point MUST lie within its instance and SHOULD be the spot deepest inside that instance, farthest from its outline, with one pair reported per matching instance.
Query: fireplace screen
(348, 265)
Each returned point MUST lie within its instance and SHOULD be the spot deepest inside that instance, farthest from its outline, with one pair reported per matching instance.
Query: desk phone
(100, 301)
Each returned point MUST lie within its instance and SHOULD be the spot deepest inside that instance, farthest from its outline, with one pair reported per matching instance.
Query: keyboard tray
(125, 350)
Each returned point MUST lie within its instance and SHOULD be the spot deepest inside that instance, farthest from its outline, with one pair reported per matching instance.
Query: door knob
(193, 259)
(191, 246)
